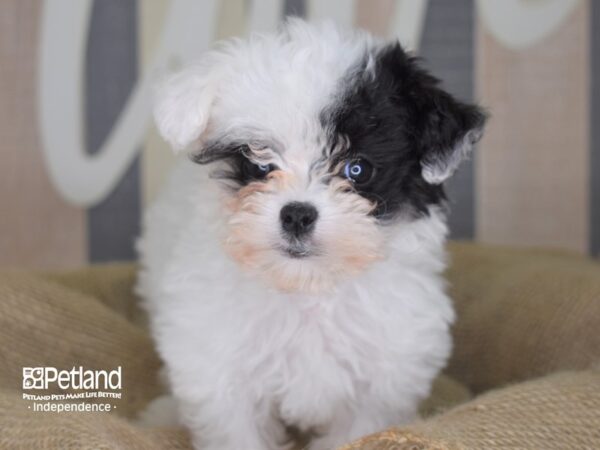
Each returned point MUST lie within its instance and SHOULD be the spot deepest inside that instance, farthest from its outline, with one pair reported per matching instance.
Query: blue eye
(360, 171)
(255, 171)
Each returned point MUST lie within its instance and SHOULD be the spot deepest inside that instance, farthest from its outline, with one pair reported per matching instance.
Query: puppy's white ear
(182, 106)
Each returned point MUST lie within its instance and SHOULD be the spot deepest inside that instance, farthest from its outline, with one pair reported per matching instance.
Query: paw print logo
(33, 378)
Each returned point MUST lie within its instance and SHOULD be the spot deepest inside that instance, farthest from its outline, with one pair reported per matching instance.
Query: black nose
(298, 219)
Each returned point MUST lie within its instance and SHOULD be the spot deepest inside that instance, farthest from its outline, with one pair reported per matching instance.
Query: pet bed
(527, 347)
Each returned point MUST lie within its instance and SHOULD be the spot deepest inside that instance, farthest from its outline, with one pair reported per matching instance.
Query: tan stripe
(532, 166)
(232, 19)
(374, 15)
(156, 158)
(37, 227)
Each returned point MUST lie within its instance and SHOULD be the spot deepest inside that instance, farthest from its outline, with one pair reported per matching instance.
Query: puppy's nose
(298, 218)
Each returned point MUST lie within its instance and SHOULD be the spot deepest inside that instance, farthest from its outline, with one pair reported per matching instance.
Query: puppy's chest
(337, 334)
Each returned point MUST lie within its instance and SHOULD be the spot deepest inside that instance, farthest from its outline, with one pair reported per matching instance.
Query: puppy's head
(320, 140)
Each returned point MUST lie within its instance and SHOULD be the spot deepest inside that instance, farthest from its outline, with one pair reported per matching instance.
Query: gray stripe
(111, 70)
(294, 8)
(595, 131)
(447, 46)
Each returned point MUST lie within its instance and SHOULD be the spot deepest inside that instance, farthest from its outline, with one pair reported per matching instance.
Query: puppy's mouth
(297, 250)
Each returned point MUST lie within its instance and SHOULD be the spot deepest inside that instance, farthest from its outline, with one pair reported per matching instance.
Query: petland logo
(86, 390)
(76, 378)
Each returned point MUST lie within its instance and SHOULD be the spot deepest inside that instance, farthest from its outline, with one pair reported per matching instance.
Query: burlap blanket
(523, 315)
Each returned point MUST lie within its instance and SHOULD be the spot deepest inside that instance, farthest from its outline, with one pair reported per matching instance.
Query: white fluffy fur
(275, 83)
(245, 357)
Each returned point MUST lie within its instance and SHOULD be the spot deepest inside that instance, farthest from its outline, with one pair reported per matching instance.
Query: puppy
(292, 264)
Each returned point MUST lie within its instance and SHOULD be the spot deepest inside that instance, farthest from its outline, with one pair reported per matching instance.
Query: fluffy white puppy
(292, 264)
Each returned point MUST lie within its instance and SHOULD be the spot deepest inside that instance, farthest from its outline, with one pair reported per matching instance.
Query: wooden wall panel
(37, 227)
(157, 158)
(594, 120)
(111, 69)
(374, 15)
(532, 167)
(447, 47)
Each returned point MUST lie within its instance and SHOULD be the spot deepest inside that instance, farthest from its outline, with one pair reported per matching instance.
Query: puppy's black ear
(444, 130)
(448, 132)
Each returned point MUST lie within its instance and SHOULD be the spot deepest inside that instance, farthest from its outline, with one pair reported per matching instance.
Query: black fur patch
(236, 168)
(399, 120)
(232, 157)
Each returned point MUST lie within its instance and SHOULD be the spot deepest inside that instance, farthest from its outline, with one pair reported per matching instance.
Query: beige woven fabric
(522, 314)
(76, 319)
(90, 318)
(557, 412)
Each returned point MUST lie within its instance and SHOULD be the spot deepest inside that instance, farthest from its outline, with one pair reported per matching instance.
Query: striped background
(534, 181)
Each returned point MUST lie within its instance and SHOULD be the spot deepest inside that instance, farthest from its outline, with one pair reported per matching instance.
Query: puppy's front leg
(232, 423)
